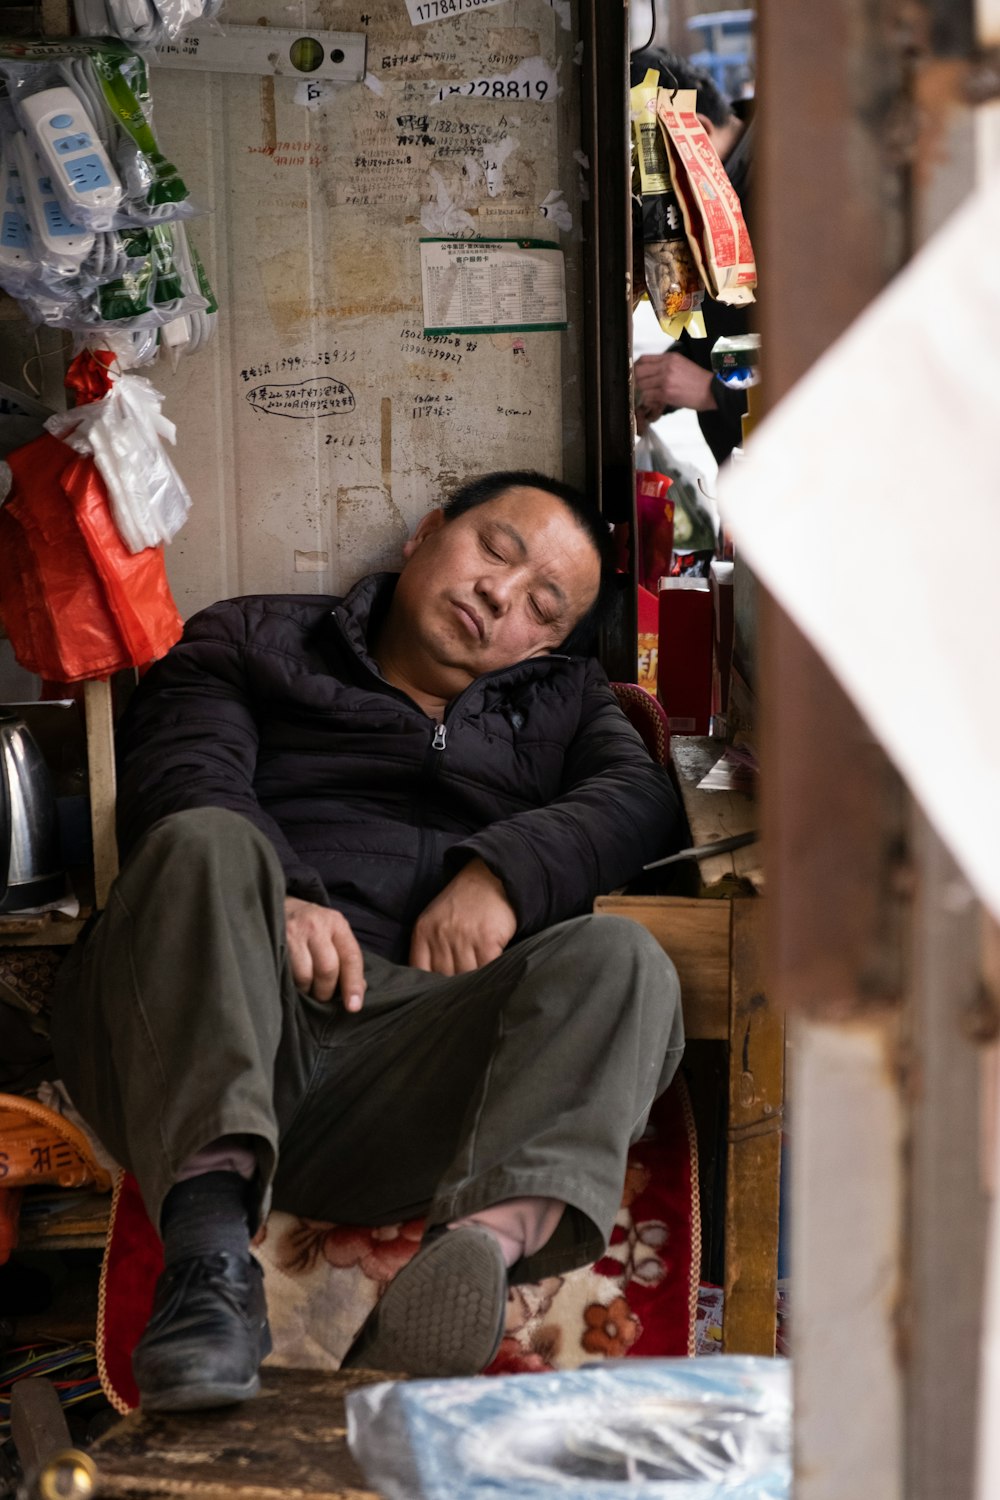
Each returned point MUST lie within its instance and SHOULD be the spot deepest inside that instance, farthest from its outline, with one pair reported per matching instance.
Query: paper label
(423, 11)
(492, 286)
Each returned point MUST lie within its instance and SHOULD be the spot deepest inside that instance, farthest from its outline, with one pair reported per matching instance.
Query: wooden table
(716, 942)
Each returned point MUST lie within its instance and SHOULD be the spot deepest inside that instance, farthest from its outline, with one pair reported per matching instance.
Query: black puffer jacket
(272, 706)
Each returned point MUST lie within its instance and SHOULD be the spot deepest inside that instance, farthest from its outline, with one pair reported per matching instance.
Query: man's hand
(467, 925)
(323, 950)
(671, 380)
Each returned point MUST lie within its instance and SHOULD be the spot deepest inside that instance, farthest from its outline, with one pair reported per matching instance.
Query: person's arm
(617, 811)
(189, 739)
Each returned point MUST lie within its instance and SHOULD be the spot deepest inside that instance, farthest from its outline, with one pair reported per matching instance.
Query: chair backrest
(646, 714)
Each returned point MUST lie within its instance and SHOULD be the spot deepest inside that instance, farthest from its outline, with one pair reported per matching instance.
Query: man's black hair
(677, 73)
(582, 637)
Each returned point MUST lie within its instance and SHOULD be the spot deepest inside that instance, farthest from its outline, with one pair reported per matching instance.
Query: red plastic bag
(75, 603)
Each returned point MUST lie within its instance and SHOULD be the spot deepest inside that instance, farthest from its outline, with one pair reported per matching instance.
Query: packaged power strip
(86, 111)
(90, 233)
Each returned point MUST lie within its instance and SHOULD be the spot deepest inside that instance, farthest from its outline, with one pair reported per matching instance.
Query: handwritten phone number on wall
(496, 88)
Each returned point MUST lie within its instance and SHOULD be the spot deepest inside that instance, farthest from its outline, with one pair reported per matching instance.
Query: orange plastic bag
(75, 602)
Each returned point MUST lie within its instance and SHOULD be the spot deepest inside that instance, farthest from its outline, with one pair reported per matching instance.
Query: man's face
(505, 581)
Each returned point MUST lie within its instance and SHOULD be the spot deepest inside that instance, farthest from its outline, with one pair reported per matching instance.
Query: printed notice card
(492, 286)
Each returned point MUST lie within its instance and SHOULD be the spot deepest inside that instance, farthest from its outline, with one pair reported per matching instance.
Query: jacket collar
(362, 610)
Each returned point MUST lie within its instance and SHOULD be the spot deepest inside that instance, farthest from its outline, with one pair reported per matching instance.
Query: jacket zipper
(440, 740)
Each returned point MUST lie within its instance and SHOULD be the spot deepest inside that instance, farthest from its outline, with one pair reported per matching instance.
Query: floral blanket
(322, 1280)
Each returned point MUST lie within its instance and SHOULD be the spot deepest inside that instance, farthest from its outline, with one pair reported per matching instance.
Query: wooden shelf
(715, 815)
(81, 1222)
(47, 930)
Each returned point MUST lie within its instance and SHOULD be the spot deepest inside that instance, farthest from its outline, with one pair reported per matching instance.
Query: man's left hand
(467, 925)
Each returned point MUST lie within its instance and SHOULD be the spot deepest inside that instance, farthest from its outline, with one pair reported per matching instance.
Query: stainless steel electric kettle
(31, 872)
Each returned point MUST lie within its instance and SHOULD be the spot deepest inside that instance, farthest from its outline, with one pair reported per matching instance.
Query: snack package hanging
(672, 279)
(124, 432)
(75, 602)
(716, 229)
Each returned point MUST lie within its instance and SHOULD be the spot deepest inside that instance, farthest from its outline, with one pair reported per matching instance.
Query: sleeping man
(348, 969)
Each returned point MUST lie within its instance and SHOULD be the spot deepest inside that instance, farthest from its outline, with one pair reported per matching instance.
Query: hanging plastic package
(143, 23)
(92, 234)
(75, 602)
(669, 273)
(123, 432)
(105, 166)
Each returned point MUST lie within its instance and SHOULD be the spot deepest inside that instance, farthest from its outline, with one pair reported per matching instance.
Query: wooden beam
(753, 1159)
(101, 781)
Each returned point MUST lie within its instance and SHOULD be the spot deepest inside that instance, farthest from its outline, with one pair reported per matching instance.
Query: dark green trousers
(177, 1021)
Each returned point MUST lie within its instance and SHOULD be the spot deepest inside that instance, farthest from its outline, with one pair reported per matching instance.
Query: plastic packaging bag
(680, 1429)
(716, 229)
(143, 23)
(671, 277)
(107, 89)
(123, 432)
(694, 527)
(75, 602)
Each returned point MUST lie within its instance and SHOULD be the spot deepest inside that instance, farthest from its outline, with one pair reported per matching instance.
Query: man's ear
(433, 521)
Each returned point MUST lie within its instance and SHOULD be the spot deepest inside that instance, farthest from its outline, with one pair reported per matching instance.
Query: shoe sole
(442, 1314)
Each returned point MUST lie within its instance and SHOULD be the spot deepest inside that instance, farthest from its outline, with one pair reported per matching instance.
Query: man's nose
(497, 591)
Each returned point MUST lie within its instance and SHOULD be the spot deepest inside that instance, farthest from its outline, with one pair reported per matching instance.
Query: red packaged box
(684, 665)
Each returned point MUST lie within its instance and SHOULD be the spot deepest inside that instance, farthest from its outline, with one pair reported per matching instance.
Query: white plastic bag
(631, 1429)
(123, 432)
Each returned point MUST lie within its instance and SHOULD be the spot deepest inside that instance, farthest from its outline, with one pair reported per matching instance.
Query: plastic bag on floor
(631, 1430)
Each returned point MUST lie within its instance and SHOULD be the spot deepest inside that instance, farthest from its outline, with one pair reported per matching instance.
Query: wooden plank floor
(288, 1444)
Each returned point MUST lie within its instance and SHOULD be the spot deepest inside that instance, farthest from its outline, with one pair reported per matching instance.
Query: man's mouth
(471, 618)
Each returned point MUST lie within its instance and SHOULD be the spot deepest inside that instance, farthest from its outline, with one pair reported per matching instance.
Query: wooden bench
(715, 940)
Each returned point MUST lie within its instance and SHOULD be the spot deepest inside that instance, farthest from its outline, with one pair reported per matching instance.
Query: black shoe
(207, 1335)
(442, 1314)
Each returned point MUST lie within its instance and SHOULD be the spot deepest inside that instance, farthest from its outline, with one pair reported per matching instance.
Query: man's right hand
(323, 952)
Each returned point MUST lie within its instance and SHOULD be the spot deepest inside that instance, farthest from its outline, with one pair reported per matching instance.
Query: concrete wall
(313, 248)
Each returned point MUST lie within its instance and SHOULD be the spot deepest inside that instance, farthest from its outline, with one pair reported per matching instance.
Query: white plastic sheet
(635, 1429)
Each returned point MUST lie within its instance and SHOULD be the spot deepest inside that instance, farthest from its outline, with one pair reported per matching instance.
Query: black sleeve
(617, 810)
(189, 739)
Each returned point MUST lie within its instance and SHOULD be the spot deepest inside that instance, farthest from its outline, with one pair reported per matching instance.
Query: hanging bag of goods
(716, 228)
(673, 283)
